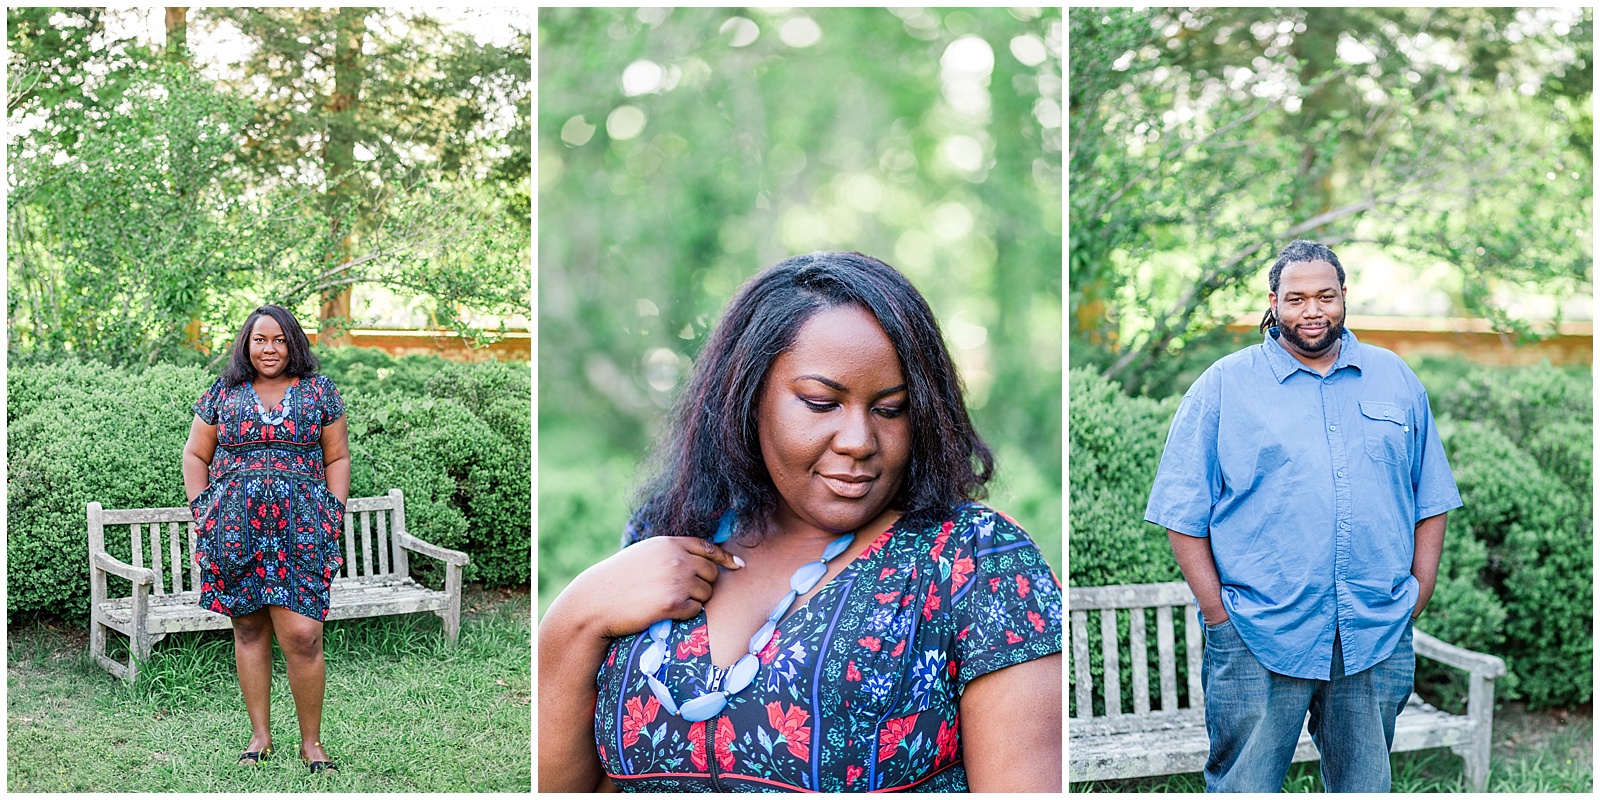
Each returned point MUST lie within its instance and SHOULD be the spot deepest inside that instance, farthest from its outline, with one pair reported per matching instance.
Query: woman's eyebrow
(839, 387)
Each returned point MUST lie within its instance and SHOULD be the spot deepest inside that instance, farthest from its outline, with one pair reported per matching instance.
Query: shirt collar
(1284, 363)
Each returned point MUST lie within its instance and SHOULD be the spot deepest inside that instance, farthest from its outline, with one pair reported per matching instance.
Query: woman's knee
(252, 629)
(301, 643)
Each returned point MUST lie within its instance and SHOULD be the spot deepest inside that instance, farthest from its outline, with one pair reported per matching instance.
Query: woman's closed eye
(823, 406)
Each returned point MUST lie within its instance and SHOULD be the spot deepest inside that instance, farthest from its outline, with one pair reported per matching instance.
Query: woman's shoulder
(970, 520)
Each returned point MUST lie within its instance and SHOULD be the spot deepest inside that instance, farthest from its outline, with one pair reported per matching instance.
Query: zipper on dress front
(714, 685)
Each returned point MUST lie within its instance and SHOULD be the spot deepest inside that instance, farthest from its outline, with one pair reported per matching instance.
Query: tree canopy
(1203, 141)
(154, 199)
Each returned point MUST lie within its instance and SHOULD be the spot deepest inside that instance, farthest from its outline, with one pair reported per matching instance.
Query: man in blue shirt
(1304, 491)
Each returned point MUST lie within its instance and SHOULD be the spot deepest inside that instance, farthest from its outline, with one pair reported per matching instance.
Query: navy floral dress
(859, 690)
(268, 526)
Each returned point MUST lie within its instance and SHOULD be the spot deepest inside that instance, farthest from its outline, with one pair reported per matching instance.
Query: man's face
(1310, 307)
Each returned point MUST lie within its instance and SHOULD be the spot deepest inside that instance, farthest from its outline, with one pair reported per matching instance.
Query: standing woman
(810, 599)
(267, 471)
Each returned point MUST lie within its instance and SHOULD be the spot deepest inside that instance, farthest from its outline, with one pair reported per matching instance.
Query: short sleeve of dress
(1006, 600)
(210, 403)
(328, 400)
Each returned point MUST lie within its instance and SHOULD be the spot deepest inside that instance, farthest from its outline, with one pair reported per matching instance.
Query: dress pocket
(1385, 431)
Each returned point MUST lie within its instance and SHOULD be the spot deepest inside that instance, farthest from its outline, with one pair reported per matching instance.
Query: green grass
(1533, 752)
(405, 712)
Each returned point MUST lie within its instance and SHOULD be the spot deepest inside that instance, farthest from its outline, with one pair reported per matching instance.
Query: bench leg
(1480, 707)
(451, 613)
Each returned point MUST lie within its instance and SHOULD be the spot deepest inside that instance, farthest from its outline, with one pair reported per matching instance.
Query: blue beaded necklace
(654, 659)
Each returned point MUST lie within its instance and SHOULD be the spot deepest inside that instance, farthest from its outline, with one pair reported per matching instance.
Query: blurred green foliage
(1204, 140)
(681, 151)
(81, 431)
(1516, 576)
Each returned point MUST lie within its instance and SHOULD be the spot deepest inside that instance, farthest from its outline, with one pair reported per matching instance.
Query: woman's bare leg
(300, 638)
(252, 657)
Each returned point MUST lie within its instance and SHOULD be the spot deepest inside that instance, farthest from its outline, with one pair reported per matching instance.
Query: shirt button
(1333, 427)
(1341, 473)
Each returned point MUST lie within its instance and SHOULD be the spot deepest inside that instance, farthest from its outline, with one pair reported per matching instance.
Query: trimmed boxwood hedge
(456, 438)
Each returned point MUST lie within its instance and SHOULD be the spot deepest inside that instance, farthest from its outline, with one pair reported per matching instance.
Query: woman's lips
(850, 486)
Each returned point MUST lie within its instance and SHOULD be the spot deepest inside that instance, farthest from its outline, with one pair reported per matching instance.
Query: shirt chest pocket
(1385, 431)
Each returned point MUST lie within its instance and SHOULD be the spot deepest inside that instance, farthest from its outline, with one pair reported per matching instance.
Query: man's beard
(1317, 347)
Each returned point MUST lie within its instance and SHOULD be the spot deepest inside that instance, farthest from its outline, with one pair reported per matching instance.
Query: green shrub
(1115, 447)
(457, 443)
(1522, 453)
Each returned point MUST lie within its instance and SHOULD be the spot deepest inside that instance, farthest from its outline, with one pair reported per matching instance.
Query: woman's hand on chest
(663, 577)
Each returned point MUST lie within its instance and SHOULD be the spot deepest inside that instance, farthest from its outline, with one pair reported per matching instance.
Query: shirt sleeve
(1006, 602)
(1431, 478)
(330, 402)
(209, 404)
(1189, 479)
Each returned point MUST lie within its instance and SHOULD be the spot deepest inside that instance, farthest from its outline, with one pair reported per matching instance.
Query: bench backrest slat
(1193, 638)
(155, 557)
(1166, 657)
(166, 539)
(1080, 662)
(1137, 660)
(1108, 655)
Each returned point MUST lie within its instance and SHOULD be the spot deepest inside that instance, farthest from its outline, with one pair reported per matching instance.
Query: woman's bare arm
(658, 578)
(335, 441)
(1011, 728)
(197, 454)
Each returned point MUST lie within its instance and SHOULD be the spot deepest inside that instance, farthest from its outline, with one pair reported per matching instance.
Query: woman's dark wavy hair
(299, 362)
(709, 458)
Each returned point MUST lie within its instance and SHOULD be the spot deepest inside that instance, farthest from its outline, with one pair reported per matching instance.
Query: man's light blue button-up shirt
(1310, 488)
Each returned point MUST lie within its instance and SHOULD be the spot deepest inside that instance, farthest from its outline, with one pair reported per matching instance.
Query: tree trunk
(343, 107)
(178, 34)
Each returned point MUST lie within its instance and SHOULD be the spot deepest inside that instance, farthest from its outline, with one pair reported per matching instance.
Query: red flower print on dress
(1038, 621)
(963, 568)
(723, 744)
(638, 717)
(871, 643)
(695, 645)
(697, 745)
(947, 740)
(1012, 638)
(886, 572)
(1022, 586)
(994, 584)
(931, 603)
(893, 732)
(851, 673)
(898, 649)
(851, 773)
(770, 651)
(877, 544)
(792, 724)
(887, 597)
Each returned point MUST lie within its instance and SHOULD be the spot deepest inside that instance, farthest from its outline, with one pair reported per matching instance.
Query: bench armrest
(1479, 664)
(445, 554)
(139, 575)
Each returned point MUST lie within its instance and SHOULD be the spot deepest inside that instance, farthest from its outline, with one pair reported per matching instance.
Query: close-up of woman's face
(269, 348)
(834, 425)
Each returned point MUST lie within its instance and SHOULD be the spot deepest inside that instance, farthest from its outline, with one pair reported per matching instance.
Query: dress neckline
(867, 552)
(273, 416)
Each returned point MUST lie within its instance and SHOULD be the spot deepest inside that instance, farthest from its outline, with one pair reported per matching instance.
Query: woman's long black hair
(709, 458)
(299, 362)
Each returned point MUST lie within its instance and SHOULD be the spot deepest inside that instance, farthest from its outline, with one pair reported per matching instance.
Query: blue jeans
(1253, 717)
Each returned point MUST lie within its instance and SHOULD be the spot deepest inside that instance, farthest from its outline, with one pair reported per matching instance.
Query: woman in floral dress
(905, 636)
(267, 470)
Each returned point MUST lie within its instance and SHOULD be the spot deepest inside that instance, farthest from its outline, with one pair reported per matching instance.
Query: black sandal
(250, 758)
(316, 766)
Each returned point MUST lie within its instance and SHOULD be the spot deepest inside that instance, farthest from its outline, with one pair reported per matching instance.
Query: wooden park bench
(374, 581)
(1168, 739)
